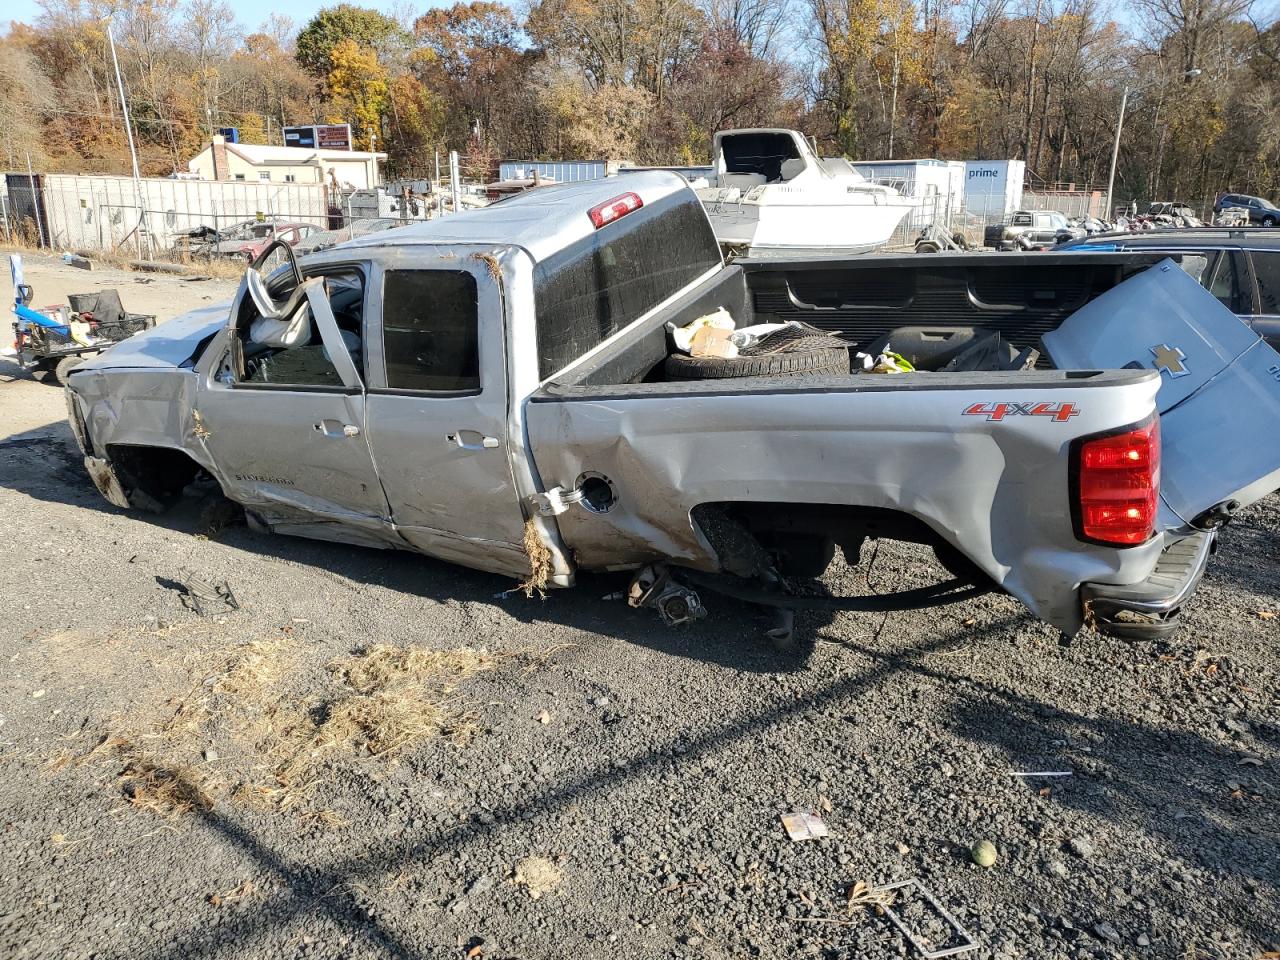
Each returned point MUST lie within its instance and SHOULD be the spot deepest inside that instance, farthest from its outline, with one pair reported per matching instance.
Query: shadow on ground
(1145, 795)
(45, 464)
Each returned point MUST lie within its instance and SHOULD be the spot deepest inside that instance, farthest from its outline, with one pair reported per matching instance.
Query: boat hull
(801, 229)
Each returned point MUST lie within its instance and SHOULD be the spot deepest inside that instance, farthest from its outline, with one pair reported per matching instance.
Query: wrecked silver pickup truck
(498, 389)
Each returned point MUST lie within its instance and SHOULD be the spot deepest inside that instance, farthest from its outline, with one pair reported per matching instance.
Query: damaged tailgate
(1219, 397)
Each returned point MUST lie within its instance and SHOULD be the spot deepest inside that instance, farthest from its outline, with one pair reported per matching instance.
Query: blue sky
(250, 13)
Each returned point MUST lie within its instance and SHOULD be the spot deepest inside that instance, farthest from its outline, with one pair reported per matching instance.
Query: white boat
(769, 194)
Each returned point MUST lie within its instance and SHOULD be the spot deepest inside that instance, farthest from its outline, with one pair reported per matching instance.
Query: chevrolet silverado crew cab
(500, 389)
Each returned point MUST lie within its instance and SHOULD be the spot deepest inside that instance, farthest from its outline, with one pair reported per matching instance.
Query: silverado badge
(1170, 360)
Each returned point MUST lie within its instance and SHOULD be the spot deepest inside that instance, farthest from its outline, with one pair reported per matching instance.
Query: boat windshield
(760, 153)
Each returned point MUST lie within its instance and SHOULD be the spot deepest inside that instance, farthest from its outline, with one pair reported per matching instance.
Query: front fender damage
(104, 478)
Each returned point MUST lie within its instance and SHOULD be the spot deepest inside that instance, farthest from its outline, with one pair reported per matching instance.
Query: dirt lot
(382, 755)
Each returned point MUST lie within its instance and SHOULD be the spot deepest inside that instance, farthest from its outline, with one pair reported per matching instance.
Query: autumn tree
(415, 126)
(358, 90)
(619, 43)
(726, 85)
(331, 26)
(468, 55)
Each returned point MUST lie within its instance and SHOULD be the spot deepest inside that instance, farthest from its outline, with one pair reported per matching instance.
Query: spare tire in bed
(813, 363)
(797, 350)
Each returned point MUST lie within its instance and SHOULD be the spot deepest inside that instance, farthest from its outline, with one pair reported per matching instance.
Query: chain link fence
(151, 218)
(967, 214)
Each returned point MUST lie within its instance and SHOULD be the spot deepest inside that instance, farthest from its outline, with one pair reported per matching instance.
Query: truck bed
(865, 299)
(907, 456)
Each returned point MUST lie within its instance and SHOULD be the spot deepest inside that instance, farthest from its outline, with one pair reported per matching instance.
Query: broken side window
(290, 351)
(430, 334)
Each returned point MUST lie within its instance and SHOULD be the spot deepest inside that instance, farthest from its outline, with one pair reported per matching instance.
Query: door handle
(472, 440)
(336, 428)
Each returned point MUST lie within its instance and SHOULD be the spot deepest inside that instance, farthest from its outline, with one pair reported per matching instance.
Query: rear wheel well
(153, 478)
(801, 538)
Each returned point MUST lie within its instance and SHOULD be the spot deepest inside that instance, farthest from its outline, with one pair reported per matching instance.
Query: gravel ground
(544, 778)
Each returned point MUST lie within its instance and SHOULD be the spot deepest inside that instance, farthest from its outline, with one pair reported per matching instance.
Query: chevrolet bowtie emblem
(1170, 360)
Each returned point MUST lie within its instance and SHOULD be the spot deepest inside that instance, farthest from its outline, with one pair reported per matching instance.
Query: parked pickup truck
(498, 389)
(1028, 229)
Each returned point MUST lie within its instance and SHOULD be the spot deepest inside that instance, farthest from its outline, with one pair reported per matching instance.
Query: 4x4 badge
(1170, 360)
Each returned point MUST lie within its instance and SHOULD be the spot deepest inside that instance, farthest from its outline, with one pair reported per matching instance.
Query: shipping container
(993, 188)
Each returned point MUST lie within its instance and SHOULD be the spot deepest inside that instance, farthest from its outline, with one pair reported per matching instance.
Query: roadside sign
(325, 136)
(334, 136)
(299, 136)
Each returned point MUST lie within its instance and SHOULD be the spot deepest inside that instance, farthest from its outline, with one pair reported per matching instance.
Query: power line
(57, 111)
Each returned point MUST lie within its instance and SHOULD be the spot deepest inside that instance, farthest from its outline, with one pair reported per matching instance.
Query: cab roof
(542, 221)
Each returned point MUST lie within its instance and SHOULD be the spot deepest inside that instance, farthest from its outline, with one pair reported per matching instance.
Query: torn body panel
(998, 495)
(105, 479)
(1218, 380)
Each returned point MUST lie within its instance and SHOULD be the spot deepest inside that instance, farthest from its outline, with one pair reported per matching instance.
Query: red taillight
(1117, 486)
(614, 209)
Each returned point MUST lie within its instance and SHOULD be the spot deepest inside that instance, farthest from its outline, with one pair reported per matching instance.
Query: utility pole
(1115, 147)
(133, 152)
(35, 202)
(1115, 154)
(454, 180)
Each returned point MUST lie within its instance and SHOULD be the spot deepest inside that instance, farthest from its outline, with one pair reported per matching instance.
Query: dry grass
(537, 875)
(862, 894)
(387, 700)
(217, 268)
(234, 895)
(376, 703)
(238, 687)
(539, 562)
(491, 265)
(24, 241)
(148, 782)
(163, 789)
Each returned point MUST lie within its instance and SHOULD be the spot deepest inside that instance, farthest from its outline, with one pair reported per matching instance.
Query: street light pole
(133, 152)
(1115, 153)
(1115, 147)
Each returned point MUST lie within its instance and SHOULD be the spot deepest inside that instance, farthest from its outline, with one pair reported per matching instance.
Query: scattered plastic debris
(903, 890)
(684, 337)
(804, 825)
(203, 597)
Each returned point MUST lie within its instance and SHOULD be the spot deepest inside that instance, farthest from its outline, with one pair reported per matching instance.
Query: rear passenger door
(437, 407)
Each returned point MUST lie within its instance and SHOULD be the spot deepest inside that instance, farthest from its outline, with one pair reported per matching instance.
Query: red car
(259, 236)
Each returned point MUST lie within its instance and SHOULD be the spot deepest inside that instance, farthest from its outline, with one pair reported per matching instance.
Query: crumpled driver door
(294, 453)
